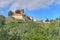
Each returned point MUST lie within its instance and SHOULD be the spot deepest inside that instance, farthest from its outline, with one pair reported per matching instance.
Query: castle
(21, 16)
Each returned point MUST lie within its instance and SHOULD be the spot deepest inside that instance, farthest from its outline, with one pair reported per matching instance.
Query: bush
(27, 30)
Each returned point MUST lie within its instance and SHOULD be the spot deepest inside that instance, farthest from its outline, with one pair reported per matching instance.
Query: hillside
(28, 30)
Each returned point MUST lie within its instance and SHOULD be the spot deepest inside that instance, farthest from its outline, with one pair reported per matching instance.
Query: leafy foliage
(28, 30)
(17, 11)
(2, 19)
(10, 13)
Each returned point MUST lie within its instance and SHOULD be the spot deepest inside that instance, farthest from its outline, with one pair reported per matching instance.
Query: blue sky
(51, 13)
(39, 9)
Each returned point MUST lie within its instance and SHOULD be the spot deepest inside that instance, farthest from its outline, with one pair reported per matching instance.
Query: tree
(10, 13)
(17, 11)
(47, 20)
(41, 20)
(51, 20)
(2, 19)
(57, 18)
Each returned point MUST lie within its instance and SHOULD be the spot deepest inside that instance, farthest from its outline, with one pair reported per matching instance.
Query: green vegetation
(28, 30)
(2, 19)
(17, 11)
(10, 13)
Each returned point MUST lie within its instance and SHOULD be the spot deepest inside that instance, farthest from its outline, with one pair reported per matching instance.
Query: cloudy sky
(39, 9)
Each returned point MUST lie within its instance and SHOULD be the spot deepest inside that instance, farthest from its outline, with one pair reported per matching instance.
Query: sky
(39, 9)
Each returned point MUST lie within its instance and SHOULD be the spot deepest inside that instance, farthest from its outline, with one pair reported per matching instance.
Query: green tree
(47, 20)
(17, 11)
(10, 13)
(41, 20)
(2, 19)
(51, 20)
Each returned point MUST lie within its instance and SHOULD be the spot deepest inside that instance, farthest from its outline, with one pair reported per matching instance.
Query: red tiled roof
(17, 14)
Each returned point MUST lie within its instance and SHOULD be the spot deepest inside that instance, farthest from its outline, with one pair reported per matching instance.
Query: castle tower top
(22, 11)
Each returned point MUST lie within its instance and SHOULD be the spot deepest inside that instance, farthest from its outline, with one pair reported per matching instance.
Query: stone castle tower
(22, 11)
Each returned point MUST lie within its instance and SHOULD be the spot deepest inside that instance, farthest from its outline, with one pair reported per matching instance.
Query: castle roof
(17, 14)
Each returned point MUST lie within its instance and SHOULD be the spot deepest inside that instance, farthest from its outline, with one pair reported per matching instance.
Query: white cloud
(29, 4)
(4, 3)
(57, 1)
